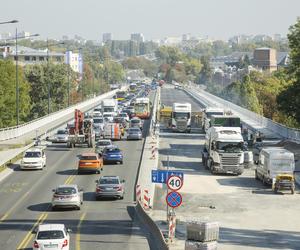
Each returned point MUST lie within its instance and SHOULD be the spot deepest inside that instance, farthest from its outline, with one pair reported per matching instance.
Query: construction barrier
(146, 201)
(138, 190)
(172, 227)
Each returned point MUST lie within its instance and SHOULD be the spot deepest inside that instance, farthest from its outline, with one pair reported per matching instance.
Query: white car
(108, 117)
(52, 236)
(97, 114)
(34, 158)
(67, 196)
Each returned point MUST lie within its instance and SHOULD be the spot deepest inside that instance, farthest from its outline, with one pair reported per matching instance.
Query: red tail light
(35, 244)
(98, 189)
(65, 243)
(119, 188)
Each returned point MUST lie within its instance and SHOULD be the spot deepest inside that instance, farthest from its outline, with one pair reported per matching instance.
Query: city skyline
(222, 19)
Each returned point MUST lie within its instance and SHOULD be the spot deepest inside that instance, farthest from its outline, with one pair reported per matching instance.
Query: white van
(274, 161)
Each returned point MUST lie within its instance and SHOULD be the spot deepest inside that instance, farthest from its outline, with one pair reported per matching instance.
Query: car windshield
(103, 143)
(107, 115)
(100, 120)
(109, 181)
(108, 109)
(123, 115)
(32, 155)
(134, 131)
(181, 115)
(230, 146)
(50, 235)
(65, 190)
(88, 157)
(135, 121)
(62, 132)
(112, 150)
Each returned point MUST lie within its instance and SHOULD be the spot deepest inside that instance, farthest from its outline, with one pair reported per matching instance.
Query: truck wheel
(292, 190)
(275, 190)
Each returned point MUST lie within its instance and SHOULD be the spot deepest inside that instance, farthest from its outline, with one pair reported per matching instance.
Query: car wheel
(78, 208)
(121, 197)
(53, 208)
(121, 162)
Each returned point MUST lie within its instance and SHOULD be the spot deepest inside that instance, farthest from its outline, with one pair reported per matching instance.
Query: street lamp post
(7, 22)
(17, 74)
(49, 87)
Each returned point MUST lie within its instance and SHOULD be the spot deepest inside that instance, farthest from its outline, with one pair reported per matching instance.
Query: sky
(156, 19)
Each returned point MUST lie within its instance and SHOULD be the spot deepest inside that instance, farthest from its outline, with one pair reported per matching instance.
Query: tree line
(62, 81)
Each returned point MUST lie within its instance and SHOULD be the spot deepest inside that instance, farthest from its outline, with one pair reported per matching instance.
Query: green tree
(8, 94)
(205, 75)
(289, 99)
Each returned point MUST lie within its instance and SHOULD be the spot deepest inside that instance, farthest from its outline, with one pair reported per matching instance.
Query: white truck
(181, 117)
(223, 150)
(109, 106)
(208, 113)
(274, 161)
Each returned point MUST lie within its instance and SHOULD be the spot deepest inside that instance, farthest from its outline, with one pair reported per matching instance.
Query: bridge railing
(17, 131)
(247, 115)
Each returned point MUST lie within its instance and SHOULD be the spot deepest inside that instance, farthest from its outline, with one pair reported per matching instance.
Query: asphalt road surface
(106, 224)
(251, 216)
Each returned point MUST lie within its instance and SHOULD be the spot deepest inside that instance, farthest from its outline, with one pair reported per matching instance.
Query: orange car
(90, 162)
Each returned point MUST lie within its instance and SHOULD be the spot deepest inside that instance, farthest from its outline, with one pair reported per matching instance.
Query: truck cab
(109, 107)
(223, 151)
(181, 117)
(208, 113)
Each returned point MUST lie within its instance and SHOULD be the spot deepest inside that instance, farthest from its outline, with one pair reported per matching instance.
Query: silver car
(110, 186)
(134, 134)
(61, 136)
(136, 122)
(101, 145)
(67, 196)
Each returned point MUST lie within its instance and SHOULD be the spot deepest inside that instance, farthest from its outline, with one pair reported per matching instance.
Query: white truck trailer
(274, 161)
(181, 117)
(109, 106)
(223, 150)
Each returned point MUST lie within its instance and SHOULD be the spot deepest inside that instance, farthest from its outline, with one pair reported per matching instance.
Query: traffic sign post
(174, 183)
(161, 176)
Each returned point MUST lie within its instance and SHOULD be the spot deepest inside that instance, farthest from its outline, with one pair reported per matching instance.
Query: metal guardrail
(17, 131)
(247, 115)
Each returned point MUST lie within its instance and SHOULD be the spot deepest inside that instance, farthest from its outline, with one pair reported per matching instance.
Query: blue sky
(155, 18)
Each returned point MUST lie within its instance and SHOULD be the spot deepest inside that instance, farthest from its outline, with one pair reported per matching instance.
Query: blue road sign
(161, 176)
(174, 199)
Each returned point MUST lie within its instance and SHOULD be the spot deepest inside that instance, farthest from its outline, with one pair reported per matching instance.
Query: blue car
(112, 155)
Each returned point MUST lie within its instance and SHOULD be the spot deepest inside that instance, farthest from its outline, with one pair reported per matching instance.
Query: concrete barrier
(160, 242)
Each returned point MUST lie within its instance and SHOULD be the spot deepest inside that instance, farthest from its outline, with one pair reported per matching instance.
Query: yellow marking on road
(70, 179)
(29, 235)
(13, 207)
(78, 231)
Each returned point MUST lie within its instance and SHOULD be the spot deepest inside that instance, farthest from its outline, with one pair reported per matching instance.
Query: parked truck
(276, 165)
(109, 107)
(81, 131)
(223, 150)
(181, 117)
(208, 113)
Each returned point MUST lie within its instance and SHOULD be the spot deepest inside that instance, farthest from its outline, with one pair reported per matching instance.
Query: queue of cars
(57, 236)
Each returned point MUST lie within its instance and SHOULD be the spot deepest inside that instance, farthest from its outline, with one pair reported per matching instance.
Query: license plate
(109, 189)
(51, 246)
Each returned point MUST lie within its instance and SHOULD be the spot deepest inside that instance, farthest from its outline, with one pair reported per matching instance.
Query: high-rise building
(6, 35)
(137, 37)
(74, 60)
(265, 58)
(106, 37)
(24, 34)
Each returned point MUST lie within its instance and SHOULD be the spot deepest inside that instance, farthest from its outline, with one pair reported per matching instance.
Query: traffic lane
(171, 95)
(27, 212)
(16, 187)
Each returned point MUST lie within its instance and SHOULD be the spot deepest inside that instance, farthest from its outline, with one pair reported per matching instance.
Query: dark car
(112, 155)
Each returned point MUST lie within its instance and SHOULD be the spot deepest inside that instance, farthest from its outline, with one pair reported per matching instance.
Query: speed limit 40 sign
(174, 183)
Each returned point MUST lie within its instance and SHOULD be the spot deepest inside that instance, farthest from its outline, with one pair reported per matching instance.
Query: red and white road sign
(174, 183)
